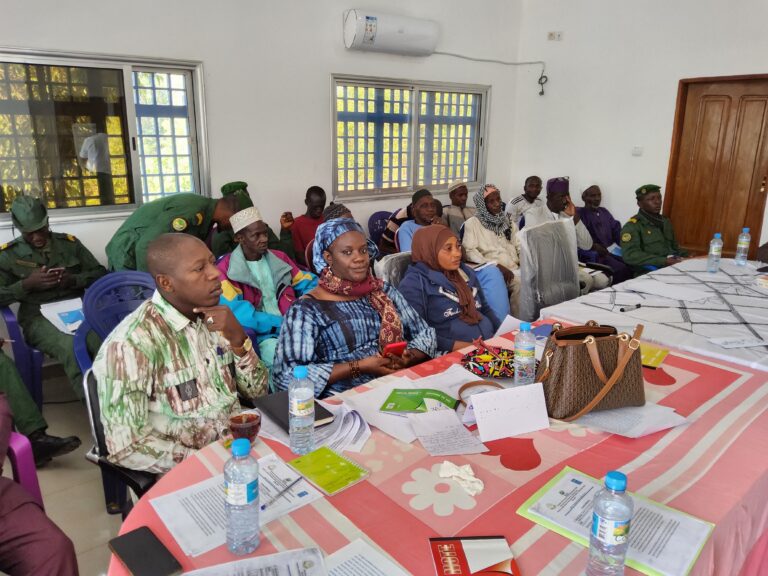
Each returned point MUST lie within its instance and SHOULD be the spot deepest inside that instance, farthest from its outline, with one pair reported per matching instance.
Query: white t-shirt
(95, 150)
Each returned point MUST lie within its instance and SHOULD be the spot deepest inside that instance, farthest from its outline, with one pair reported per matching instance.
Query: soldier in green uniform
(648, 239)
(27, 418)
(188, 213)
(41, 267)
(224, 241)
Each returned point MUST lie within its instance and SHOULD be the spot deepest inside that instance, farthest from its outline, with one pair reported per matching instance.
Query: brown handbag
(591, 367)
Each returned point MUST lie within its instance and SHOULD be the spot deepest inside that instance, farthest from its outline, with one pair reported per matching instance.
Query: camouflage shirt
(167, 386)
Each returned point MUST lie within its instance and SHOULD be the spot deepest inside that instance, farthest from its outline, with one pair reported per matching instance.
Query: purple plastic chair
(377, 223)
(28, 360)
(23, 465)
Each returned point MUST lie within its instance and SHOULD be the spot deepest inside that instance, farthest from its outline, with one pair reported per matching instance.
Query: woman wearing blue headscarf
(340, 329)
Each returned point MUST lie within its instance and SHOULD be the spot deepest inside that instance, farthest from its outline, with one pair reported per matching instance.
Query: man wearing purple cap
(605, 231)
(559, 207)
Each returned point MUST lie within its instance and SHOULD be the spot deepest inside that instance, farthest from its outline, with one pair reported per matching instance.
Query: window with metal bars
(82, 132)
(392, 137)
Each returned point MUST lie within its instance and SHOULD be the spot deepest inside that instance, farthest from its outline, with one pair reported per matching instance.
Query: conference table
(714, 467)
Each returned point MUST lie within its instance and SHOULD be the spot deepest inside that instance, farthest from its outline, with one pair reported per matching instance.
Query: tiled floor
(71, 485)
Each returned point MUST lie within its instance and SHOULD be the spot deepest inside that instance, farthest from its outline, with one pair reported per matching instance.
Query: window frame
(127, 64)
(414, 87)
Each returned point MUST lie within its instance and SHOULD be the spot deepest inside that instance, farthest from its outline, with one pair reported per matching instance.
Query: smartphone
(395, 349)
(143, 554)
(56, 270)
(763, 269)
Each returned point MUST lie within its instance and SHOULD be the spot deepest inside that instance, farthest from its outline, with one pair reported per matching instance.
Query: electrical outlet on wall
(555, 36)
(637, 150)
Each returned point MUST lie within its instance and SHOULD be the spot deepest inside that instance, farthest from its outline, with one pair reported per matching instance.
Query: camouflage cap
(29, 214)
(239, 190)
(646, 189)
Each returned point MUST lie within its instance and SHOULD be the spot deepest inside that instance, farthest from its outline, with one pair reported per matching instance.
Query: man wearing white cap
(458, 212)
(259, 284)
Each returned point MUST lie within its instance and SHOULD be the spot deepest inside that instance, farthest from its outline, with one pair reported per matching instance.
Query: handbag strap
(633, 345)
(594, 356)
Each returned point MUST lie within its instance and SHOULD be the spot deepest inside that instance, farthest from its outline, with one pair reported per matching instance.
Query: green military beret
(29, 214)
(240, 191)
(646, 189)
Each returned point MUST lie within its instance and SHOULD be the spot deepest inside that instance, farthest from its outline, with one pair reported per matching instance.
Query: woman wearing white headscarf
(492, 236)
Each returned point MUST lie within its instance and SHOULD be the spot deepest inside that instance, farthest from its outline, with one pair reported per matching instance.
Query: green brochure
(328, 470)
(662, 541)
(405, 400)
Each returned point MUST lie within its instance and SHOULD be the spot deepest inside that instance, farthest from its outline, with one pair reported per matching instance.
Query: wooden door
(719, 161)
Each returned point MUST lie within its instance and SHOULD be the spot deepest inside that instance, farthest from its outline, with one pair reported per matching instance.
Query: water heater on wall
(377, 32)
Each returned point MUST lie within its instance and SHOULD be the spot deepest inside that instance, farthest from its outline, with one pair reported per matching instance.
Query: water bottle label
(241, 494)
(301, 407)
(525, 352)
(716, 250)
(743, 244)
(610, 532)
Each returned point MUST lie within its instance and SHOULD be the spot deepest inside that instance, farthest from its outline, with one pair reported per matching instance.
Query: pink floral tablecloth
(715, 468)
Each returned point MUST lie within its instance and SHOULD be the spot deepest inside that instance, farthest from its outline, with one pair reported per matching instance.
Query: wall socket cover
(556, 36)
(637, 150)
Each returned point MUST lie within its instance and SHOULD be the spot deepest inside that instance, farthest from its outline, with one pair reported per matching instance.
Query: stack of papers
(441, 433)
(347, 433)
(633, 421)
(368, 403)
(304, 562)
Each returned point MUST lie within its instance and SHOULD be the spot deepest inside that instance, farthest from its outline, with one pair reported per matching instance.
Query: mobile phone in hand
(56, 270)
(394, 349)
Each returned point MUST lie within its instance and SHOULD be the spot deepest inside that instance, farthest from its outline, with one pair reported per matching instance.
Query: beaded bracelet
(354, 369)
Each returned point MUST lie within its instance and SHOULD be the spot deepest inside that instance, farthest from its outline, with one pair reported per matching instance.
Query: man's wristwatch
(244, 349)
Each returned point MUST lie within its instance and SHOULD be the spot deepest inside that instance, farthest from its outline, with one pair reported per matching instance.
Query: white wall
(613, 84)
(267, 77)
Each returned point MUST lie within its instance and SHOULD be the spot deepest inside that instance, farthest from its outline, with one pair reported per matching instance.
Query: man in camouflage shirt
(169, 374)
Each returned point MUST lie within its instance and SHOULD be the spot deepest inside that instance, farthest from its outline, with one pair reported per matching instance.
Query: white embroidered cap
(240, 220)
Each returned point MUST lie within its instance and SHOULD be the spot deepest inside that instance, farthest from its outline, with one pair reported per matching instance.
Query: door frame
(677, 133)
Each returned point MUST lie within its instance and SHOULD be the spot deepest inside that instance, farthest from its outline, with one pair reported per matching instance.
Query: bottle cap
(745, 230)
(241, 447)
(525, 326)
(718, 235)
(615, 480)
(299, 371)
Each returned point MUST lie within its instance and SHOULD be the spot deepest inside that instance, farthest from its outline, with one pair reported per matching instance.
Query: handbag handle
(633, 345)
(476, 383)
(594, 356)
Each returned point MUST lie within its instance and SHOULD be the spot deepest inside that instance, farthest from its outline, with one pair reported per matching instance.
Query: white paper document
(397, 426)
(673, 291)
(661, 539)
(441, 433)
(510, 412)
(358, 558)
(195, 515)
(509, 324)
(633, 421)
(303, 562)
(66, 315)
(735, 342)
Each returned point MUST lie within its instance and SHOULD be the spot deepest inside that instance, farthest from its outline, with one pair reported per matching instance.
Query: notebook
(328, 470)
(276, 407)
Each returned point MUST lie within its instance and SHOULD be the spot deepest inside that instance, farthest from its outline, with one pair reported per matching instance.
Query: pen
(283, 491)
(628, 308)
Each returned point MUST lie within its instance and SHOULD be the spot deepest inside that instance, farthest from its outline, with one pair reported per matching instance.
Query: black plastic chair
(114, 478)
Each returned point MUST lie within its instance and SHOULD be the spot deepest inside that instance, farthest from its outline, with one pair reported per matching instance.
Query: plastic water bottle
(301, 412)
(715, 251)
(525, 355)
(742, 247)
(611, 515)
(241, 502)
